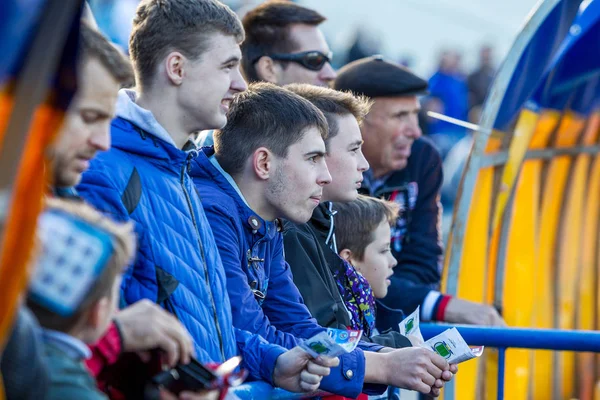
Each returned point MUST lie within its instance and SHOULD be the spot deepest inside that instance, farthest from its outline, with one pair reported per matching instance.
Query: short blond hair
(124, 248)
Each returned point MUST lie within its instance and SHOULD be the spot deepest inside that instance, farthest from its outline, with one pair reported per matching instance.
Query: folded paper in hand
(332, 342)
(448, 344)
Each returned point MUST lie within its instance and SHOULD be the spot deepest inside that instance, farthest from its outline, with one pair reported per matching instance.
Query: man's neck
(254, 193)
(168, 116)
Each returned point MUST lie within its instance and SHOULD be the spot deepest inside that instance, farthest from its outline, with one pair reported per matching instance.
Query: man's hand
(467, 312)
(416, 368)
(297, 371)
(145, 326)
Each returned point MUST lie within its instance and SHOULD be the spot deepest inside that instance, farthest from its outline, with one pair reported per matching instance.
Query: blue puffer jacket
(144, 178)
(259, 281)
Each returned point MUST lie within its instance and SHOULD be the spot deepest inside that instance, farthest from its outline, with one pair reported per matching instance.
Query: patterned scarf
(358, 297)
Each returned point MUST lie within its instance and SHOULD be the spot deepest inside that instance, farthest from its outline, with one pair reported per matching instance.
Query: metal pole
(501, 363)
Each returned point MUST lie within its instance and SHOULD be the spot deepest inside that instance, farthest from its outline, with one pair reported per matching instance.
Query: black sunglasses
(313, 60)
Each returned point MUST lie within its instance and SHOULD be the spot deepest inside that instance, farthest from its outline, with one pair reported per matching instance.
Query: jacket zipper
(212, 298)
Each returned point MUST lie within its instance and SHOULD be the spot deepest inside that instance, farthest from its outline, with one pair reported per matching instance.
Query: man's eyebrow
(357, 143)
(407, 112)
(232, 59)
(100, 113)
(313, 153)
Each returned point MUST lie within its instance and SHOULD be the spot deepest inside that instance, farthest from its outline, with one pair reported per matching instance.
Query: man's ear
(267, 70)
(346, 254)
(262, 162)
(175, 64)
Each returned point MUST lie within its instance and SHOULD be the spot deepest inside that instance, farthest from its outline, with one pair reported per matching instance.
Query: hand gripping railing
(500, 338)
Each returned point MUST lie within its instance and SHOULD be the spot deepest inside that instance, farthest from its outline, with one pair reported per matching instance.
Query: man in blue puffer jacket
(144, 178)
(269, 163)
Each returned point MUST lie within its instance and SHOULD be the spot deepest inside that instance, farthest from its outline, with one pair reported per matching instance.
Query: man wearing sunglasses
(285, 45)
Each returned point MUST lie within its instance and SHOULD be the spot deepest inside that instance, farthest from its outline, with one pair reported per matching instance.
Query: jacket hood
(140, 117)
(205, 170)
(135, 130)
(323, 223)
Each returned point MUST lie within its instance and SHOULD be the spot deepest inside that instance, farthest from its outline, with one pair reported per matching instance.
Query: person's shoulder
(103, 170)
(424, 154)
(424, 145)
(292, 229)
(69, 378)
(216, 200)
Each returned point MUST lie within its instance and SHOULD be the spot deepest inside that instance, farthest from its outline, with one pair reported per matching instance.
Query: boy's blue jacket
(263, 296)
(144, 178)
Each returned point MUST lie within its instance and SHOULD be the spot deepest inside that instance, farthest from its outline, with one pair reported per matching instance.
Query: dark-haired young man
(186, 61)
(269, 163)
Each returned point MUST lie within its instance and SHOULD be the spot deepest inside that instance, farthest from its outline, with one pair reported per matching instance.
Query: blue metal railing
(499, 338)
(504, 338)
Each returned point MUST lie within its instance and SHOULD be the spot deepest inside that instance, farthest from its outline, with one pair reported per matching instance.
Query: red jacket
(106, 351)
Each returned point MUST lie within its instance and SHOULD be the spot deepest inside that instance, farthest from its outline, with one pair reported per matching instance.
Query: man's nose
(238, 84)
(100, 138)
(414, 130)
(324, 176)
(327, 73)
(363, 164)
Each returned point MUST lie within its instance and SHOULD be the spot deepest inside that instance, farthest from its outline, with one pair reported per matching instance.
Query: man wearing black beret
(407, 169)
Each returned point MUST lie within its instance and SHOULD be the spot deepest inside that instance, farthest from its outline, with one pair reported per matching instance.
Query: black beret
(375, 77)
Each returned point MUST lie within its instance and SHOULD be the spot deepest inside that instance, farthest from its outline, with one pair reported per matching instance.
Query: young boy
(363, 239)
(75, 289)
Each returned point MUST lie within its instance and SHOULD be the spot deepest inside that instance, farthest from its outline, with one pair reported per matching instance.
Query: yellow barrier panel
(489, 379)
(543, 308)
(568, 241)
(587, 269)
(472, 278)
(519, 143)
(518, 296)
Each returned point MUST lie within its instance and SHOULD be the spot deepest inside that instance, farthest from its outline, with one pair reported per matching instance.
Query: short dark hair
(92, 44)
(268, 31)
(123, 251)
(356, 221)
(264, 115)
(162, 26)
(333, 103)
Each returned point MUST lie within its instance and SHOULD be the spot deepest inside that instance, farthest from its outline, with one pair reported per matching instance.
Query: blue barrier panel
(500, 338)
